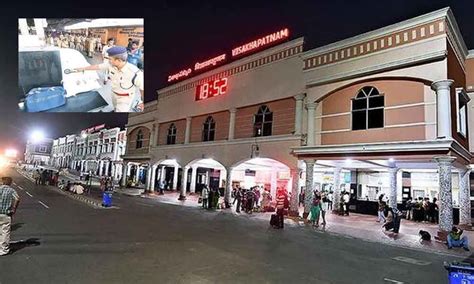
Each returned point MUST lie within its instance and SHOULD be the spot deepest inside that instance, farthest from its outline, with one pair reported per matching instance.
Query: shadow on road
(21, 244)
(16, 226)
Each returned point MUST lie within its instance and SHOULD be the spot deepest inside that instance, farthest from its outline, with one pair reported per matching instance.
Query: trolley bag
(274, 220)
(45, 98)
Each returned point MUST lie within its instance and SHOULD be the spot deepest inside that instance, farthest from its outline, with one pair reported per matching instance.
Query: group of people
(423, 210)
(79, 41)
(45, 177)
(210, 197)
(106, 184)
(254, 199)
(320, 205)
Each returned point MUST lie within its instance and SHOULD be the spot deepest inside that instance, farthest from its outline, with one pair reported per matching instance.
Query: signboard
(250, 173)
(246, 48)
(93, 129)
(263, 41)
(211, 89)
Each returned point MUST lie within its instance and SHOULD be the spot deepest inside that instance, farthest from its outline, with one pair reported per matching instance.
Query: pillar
(310, 138)
(336, 196)
(232, 123)
(445, 195)
(148, 179)
(153, 179)
(184, 182)
(273, 183)
(299, 113)
(23, 26)
(295, 177)
(162, 174)
(308, 193)
(392, 201)
(443, 105)
(152, 135)
(192, 188)
(228, 187)
(464, 199)
(124, 174)
(187, 133)
(175, 177)
(137, 173)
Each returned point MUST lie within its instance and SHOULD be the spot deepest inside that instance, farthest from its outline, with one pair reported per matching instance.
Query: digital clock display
(211, 89)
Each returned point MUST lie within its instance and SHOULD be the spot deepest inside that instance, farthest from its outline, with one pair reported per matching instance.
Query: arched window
(139, 139)
(209, 129)
(368, 109)
(171, 138)
(263, 122)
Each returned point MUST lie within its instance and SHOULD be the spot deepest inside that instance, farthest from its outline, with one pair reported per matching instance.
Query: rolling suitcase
(274, 220)
(45, 98)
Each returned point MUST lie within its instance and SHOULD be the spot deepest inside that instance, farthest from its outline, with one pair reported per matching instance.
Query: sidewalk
(353, 226)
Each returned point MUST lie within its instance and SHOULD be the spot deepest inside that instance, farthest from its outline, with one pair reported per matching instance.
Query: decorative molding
(470, 55)
(427, 57)
(263, 139)
(410, 105)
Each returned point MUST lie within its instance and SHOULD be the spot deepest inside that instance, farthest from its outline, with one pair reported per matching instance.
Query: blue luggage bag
(45, 98)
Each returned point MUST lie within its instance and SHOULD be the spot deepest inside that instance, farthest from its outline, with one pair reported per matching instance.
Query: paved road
(149, 242)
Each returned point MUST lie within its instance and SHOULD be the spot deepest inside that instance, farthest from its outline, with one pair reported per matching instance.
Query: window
(263, 120)
(209, 129)
(461, 106)
(42, 149)
(139, 143)
(368, 109)
(111, 147)
(171, 138)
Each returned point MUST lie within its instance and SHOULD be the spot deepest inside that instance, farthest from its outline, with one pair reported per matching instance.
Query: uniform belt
(122, 95)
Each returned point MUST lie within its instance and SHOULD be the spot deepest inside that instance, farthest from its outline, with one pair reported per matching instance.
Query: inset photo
(81, 65)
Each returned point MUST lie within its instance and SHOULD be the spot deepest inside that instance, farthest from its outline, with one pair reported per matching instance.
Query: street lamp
(37, 136)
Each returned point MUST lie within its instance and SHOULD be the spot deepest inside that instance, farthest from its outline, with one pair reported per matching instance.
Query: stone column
(273, 183)
(175, 178)
(162, 174)
(299, 113)
(23, 26)
(445, 195)
(124, 174)
(308, 192)
(336, 196)
(148, 179)
(464, 199)
(152, 135)
(228, 187)
(295, 177)
(137, 173)
(443, 105)
(107, 166)
(393, 187)
(192, 187)
(184, 182)
(187, 133)
(232, 123)
(153, 178)
(311, 109)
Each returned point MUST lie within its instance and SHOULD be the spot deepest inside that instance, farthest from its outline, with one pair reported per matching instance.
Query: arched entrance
(166, 175)
(265, 173)
(205, 172)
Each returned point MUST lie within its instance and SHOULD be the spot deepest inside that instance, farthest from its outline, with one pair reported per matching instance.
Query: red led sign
(266, 40)
(211, 89)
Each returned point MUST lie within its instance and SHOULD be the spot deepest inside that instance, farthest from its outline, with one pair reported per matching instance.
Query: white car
(44, 67)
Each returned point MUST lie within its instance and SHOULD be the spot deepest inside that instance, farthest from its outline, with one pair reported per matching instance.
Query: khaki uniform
(126, 82)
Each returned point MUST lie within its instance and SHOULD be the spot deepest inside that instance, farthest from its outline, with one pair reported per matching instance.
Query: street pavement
(62, 240)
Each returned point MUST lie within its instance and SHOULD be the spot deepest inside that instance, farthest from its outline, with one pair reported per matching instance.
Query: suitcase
(274, 220)
(45, 98)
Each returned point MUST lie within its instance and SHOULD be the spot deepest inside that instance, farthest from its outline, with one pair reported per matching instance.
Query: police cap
(116, 50)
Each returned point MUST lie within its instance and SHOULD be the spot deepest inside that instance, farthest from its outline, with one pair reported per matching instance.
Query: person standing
(205, 196)
(134, 54)
(129, 45)
(257, 196)
(409, 207)
(315, 210)
(9, 200)
(280, 206)
(238, 198)
(346, 199)
(324, 206)
(126, 79)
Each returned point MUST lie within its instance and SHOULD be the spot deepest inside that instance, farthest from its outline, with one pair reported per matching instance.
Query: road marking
(29, 194)
(43, 204)
(393, 281)
(20, 187)
(411, 260)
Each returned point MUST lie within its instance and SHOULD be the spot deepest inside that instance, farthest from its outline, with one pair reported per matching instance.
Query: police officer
(125, 79)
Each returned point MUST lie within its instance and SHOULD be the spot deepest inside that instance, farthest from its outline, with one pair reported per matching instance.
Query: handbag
(200, 200)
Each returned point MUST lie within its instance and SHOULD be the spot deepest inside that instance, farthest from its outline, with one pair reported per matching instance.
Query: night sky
(178, 35)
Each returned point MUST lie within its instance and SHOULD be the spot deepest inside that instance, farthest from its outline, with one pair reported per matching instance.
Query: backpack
(424, 235)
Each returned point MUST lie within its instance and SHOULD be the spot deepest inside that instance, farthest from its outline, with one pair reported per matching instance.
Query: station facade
(382, 112)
